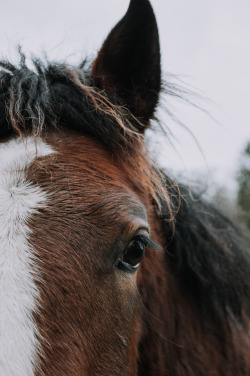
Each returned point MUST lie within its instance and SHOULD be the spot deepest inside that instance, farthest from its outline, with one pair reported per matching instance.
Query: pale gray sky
(206, 40)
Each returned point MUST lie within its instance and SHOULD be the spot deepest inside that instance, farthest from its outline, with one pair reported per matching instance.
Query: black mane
(209, 255)
(57, 95)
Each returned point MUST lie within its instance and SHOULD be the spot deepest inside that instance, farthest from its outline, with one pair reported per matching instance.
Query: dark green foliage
(244, 187)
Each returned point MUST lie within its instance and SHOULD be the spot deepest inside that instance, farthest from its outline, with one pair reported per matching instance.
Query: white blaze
(19, 200)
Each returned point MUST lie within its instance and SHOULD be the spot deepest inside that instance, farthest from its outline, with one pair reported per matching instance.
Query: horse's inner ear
(128, 64)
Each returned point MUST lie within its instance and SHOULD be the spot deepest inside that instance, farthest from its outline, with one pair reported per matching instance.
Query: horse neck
(177, 337)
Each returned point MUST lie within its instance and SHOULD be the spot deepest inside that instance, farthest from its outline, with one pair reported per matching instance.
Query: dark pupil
(134, 253)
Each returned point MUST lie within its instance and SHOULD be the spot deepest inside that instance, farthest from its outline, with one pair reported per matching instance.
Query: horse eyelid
(149, 241)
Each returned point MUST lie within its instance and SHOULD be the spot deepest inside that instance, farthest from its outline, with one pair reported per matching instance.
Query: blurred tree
(225, 202)
(243, 179)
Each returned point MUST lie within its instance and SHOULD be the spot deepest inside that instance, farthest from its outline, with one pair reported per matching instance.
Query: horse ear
(128, 64)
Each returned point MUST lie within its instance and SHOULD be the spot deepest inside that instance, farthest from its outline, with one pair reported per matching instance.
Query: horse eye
(133, 255)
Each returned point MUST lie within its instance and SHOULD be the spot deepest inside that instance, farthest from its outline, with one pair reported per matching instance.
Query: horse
(107, 266)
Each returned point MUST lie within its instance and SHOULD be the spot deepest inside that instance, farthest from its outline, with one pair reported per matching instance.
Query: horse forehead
(90, 179)
(85, 160)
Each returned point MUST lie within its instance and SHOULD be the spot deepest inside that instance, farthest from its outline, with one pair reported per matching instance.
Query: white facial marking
(19, 199)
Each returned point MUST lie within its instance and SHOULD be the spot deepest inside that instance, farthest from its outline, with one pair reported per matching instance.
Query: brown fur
(86, 315)
(92, 319)
(177, 339)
